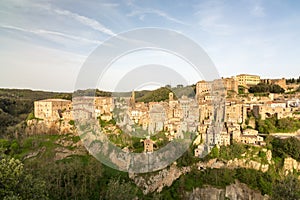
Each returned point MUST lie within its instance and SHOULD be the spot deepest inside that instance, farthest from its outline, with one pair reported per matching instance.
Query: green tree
(265, 88)
(287, 189)
(15, 183)
(120, 190)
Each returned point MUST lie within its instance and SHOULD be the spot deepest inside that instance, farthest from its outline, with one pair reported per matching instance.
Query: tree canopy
(266, 88)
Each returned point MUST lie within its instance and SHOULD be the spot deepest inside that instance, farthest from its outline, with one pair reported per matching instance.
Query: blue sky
(45, 43)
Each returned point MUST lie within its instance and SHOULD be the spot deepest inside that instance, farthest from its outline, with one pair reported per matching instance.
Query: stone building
(203, 87)
(278, 109)
(281, 82)
(235, 112)
(53, 109)
(251, 136)
(157, 118)
(148, 145)
(230, 84)
(247, 80)
(93, 106)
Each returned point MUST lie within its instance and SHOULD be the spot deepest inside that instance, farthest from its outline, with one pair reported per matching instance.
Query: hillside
(58, 166)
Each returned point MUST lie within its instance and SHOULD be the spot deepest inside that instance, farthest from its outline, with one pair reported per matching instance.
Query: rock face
(61, 152)
(156, 182)
(269, 156)
(34, 154)
(240, 191)
(289, 165)
(236, 191)
(249, 164)
(165, 177)
(236, 163)
(35, 126)
(206, 193)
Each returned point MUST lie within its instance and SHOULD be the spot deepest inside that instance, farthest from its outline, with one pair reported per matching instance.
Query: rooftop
(54, 100)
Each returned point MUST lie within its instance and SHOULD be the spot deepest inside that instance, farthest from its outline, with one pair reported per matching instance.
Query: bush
(15, 182)
(266, 88)
(286, 147)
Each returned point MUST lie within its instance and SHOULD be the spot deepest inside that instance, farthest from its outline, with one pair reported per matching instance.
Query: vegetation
(75, 177)
(270, 182)
(16, 183)
(230, 152)
(293, 80)
(41, 176)
(274, 125)
(162, 93)
(266, 88)
(83, 177)
(241, 89)
(267, 183)
(188, 158)
(157, 95)
(286, 147)
(92, 92)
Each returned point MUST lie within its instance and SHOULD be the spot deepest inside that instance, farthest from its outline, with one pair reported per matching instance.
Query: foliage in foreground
(16, 183)
(83, 177)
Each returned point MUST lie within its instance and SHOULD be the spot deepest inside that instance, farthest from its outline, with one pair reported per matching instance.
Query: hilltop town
(238, 130)
(221, 112)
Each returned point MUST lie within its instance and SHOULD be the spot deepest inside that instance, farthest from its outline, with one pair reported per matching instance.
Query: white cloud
(92, 23)
(42, 32)
(141, 12)
(212, 18)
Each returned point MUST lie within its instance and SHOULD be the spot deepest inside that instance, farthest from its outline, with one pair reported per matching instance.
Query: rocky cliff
(37, 126)
(236, 191)
(156, 181)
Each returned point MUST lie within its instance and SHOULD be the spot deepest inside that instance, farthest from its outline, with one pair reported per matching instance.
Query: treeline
(162, 94)
(266, 88)
(157, 95)
(293, 80)
(92, 92)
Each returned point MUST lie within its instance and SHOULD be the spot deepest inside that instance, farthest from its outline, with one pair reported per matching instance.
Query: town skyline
(153, 88)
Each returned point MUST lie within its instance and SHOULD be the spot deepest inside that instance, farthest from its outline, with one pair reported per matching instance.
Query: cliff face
(289, 165)
(159, 180)
(245, 162)
(236, 191)
(236, 163)
(36, 126)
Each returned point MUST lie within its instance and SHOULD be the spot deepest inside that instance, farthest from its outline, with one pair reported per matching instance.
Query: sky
(44, 44)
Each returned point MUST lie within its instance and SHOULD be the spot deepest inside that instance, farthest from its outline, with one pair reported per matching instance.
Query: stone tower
(171, 96)
(132, 99)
